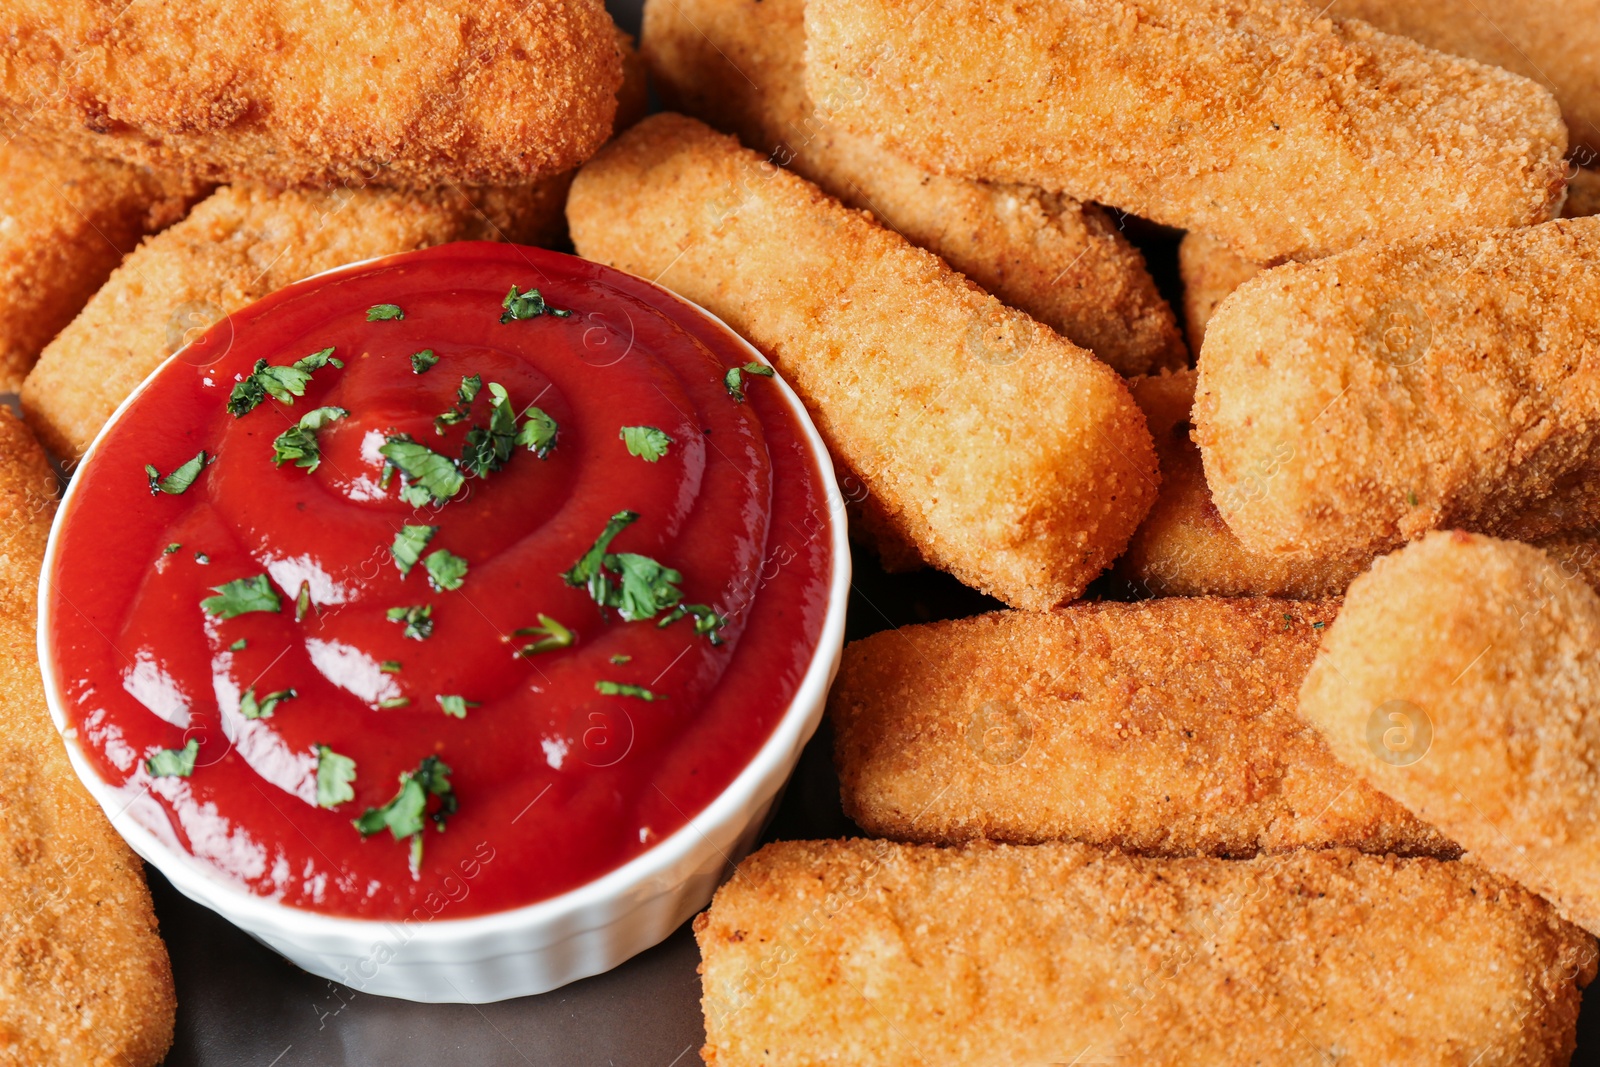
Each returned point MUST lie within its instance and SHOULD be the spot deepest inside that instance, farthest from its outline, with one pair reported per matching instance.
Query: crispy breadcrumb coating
(740, 66)
(1183, 548)
(84, 977)
(1286, 135)
(873, 954)
(235, 247)
(65, 224)
(1209, 270)
(1010, 457)
(1583, 193)
(1557, 45)
(1354, 403)
(1462, 679)
(1166, 727)
(489, 92)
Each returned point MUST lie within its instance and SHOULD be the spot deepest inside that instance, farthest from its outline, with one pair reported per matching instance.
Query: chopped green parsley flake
(418, 620)
(408, 545)
(281, 383)
(390, 666)
(620, 658)
(404, 816)
(424, 361)
(529, 305)
(623, 689)
(430, 477)
(302, 602)
(466, 393)
(733, 381)
(706, 621)
(202, 559)
(252, 708)
(637, 586)
(239, 645)
(173, 762)
(334, 775)
(298, 444)
(394, 702)
(241, 596)
(551, 636)
(179, 480)
(170, 549)
(384, 313)
(456, 706)
(538, 432)
(446, 571)
(646, 442)
(488, 449)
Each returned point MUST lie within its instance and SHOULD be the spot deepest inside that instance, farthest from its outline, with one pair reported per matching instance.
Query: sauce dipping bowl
(431, 957)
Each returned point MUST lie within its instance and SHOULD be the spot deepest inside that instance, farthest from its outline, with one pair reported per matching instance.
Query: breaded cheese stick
(880, 955)
(1583, 193)
(740, 66)
(65, 224)
(235, 247)
(1286, 135)
(1554, 44)
(84, 977)
(1462, 679)
(1209, 270)
(1354, 403)
(1166, 727)
(303, 92)
(1183, 548)
(1009, 457)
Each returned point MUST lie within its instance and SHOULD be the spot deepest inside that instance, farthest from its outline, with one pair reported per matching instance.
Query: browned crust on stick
(879, 955)
(84, 977)
(1286, 135)
(1011, 458)
(489, 92)
(1354, 403)
(740, 66)
(1554, 44)
(65, 224)
(234, 248)
(1462, 679)
(1583, 193)
(1209, 270)
(1166, 727)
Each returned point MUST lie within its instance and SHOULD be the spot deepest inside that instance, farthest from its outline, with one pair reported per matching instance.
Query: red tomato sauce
(553, 781)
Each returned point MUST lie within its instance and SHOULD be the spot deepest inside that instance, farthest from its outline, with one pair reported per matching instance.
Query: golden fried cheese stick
(1285, 135)
(487, 92)
(1554, 44)
(874, 954)
(1353, 403)
(235, 247)
(84, 977)
(65, 224)
(1183, 548)
(740, 66)
(1011, 458)
(1166, 727)
(1462, 679)
(1209, 270)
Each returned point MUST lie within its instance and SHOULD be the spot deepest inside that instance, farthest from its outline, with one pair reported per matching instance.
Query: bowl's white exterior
(526, 950)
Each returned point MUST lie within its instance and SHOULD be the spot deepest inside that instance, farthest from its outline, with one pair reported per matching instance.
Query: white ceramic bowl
(526, 950)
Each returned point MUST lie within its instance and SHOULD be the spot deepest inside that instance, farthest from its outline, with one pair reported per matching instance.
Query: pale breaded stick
(65, 224)
(1285, 135)
(1209, 270)
(84, 977)
(1354, 403)
(1166, 727)
(1583, 193)
(1183, 548)
(235, 247)
(1556, 45)
(1462, 679)
(1010, 457)
(740, 66)
(487, 92)
(874, 954)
